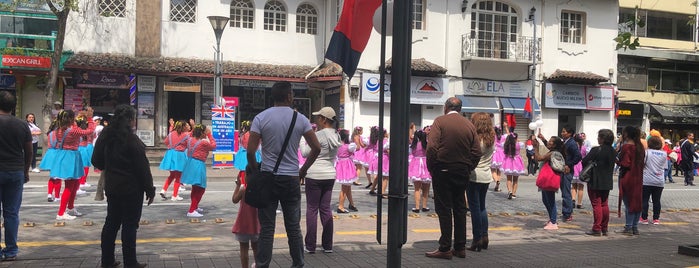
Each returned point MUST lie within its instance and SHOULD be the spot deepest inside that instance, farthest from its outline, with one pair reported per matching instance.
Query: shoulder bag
(260, 184)
(557, 162)
(548, 179)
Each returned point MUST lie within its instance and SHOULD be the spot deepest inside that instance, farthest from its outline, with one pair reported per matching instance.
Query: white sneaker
(57, 199)
(65, 217)
(194, 214)
(86, 185)
(176, 198)
(74, 212)
(80, 192)
(36, 170)
(200, 210)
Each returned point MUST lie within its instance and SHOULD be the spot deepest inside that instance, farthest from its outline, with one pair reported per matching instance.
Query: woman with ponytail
(121, 156)
(631, 161)
(200, 143)
(175, 159)
(68, 164)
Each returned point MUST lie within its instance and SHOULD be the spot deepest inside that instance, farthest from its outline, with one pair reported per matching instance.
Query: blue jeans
(549, 199)
(668, 171)
(566, 181)
(286, 192)
(476, 202)
(631, 217)
(11, 187)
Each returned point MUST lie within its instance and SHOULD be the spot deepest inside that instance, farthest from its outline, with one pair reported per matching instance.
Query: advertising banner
(579, 97)
(223, 131)
(423, 90)
(26, 61)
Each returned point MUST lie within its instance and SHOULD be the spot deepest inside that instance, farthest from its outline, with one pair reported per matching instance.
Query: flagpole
(382, 81)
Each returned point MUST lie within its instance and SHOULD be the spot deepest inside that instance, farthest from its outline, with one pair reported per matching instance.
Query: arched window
(183, 11)
(242, 14)
(419, 14)
(112, 8)
(275, 16)
(494, 24)
(306, 19)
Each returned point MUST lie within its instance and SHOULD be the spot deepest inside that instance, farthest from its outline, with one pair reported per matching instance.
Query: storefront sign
(26, 61)
(496, 88)
(146, 83)
(181, 87)
(98, 79)
(262, 83)
(146, 105)
(579, 97)
(630, 111)
(423, 90)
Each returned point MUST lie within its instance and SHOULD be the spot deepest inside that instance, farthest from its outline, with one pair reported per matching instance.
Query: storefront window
(694, 82)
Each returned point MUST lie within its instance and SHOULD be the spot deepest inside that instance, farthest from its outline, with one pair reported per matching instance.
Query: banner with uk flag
(223, 130)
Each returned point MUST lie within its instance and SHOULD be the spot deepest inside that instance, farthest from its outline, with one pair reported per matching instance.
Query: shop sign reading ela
(26, 61)
(579, 97)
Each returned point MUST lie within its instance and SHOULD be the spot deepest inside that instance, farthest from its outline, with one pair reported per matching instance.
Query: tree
(60, 8)
(626, 38)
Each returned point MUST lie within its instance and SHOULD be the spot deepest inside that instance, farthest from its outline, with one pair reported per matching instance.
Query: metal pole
(217, 74)
(382, 81)
(534, 56)
(400, 110)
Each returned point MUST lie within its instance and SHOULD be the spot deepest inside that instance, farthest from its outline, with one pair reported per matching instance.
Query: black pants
(450, 205)
(653, 192)
(532, 165)
(123, 211)
(35, 148)
(688, 175)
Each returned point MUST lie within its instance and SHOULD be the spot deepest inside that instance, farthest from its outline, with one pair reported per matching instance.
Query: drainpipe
(446, 44)
(696, 27)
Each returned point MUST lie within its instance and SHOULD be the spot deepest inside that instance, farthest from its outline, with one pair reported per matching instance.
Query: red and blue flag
(352, 34)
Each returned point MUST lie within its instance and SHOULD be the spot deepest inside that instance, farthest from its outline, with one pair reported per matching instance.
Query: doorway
(181, 105)
(570, 118)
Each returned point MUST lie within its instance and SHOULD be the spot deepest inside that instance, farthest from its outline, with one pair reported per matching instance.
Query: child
(512, 164)
(198, 147)
(578, 186)
(54, 184)
(345, 171)
(374, 164)
(85, 148)
(246, 227)
(359, 154)
(498, 157)
(418, 172)
(175, 159)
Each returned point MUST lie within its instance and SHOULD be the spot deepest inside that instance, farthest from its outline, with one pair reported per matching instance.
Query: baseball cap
(668, 141)
(326, 112)
(96, 117)
(57, 103)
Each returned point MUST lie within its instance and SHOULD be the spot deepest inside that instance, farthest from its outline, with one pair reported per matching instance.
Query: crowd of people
(458, 156)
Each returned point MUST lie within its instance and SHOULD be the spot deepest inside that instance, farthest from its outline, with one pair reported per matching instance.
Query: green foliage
(626, 39)
(26, 52)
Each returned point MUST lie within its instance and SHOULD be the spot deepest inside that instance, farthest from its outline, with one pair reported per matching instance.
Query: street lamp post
(218, 23)
(532, 18)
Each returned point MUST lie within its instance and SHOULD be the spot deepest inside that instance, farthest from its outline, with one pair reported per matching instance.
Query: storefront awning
(667, 114)
(473, 104)
(516, 105)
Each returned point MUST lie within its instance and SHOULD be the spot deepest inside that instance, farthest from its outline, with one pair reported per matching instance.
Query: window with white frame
(418, 14)
(242, 14)
(275, 16)
(112, 8)
(183, 11)
(306, 19)
(338, 8)
(572, 27)
(494, 25)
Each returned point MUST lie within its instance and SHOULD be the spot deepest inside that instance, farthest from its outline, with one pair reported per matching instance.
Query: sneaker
(200, 210)
(80, 192)
(551, 226)
(656, 222)
(50, 198)
(327, 250)
(36, 170)
(86, 185)
(305, 250)
(74, 212)
(9, 258)
(194, 214)
(569, 219)
(64, 217)
(176, 198)
(162, 194)
(57, 199)
(642, 221)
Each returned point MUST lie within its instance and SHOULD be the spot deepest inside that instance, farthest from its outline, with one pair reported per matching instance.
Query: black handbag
(260, 184)
(586, 173)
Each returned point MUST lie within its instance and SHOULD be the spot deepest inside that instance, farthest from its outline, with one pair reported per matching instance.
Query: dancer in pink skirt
(418, 172)
(498, 157)
(359, 155)
(374, 164)
(512, 165)
(345, 172)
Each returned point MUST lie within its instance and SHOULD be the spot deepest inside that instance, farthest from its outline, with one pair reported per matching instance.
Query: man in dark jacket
(452, 153)
(573, 156)
(687, 163)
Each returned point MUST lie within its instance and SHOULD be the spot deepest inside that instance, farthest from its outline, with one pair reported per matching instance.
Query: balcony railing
(520, 50)
(30, 45)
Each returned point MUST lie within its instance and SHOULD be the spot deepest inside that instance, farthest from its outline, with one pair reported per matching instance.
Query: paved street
(517, 239)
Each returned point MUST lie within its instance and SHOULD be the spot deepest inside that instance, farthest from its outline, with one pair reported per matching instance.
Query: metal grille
(275, 16)
(572, 27)
(112, 8)
(418, 14)
(183, 11)
(306, 19)
(242, 14)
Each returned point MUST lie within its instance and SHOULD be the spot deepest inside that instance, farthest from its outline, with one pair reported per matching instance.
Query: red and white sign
(26, 61)
(231, 101)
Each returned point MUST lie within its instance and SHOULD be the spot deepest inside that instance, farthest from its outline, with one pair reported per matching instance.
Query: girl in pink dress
(418, 172)
(512, 165)
(345, 172)
(498, 157)
(246, 227)
(578, 187)
(360, 154)
(374, 164)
